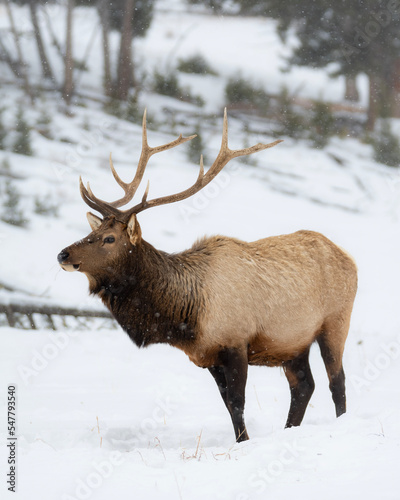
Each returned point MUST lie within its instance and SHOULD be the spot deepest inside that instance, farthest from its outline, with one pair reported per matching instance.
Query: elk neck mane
(156, 297)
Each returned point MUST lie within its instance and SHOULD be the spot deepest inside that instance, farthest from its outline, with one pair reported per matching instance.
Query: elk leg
(219, 376)
(234, 367)
(218, 373)
(334, 369)
(301, 384)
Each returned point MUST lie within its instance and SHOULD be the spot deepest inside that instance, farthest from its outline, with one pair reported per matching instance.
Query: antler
(109, 208)
(224, 156)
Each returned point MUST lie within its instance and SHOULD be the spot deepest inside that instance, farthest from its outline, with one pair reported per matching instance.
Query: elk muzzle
(62, 258)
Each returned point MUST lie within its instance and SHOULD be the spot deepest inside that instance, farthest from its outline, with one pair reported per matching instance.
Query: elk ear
(134, 231)
(94, 221)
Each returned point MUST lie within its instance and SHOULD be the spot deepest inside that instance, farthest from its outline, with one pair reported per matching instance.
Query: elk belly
(203, 358)
(265, 351)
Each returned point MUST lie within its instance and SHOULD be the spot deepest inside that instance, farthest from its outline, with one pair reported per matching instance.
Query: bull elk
(224, 302)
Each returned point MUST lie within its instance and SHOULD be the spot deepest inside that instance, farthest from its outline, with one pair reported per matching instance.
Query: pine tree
(22, 143)
(353, 36)
(196, 147)
(11, 213)
(386, 146)
(322, 124)
(132, 110)
(3, 132)
(290, 122)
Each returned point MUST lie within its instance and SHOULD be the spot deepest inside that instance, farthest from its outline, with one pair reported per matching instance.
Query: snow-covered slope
(98, 418)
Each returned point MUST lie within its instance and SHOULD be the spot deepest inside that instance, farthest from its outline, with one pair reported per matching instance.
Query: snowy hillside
(98, 418)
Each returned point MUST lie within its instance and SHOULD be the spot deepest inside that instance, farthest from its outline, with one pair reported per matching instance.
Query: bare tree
(46, 68)
(125, 70)
(21, 63)
(104, 13)
(54, 40)
(375, 86)
(68, 61)
(395, 86)
(351, 92)
(6, 57)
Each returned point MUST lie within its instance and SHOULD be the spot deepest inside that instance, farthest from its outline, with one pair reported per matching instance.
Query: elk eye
(109, 239)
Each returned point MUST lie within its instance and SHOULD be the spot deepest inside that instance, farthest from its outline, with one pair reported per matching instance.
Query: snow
(99, 418)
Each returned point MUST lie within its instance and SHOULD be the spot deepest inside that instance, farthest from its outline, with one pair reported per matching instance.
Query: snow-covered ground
(98, 418)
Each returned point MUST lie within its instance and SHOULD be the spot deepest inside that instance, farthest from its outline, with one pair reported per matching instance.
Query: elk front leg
(231, 377)
(219, 376)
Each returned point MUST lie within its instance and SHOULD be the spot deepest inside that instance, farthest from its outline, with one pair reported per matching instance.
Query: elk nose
(62, 256)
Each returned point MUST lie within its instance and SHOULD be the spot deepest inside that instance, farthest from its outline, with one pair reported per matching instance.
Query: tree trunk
(104, 19)
(395, 89)
(21, 63)
(46, 68)
(351, 93)
(125, 73)
(374, 101)
(69, 61)
(5, 56)
(54, 39)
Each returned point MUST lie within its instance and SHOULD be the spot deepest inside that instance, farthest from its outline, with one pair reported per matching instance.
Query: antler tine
(146, 193)
(224, 156)
(115, 173)
(224, 141)
(99, 205)
(130, 188)
(201, 173)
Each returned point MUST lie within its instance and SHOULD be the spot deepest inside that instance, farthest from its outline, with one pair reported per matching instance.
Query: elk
(224, 302)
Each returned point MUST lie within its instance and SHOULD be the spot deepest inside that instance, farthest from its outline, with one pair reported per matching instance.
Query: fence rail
(28, 316)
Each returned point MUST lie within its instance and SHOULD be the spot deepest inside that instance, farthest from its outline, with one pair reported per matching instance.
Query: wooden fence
(33, 316)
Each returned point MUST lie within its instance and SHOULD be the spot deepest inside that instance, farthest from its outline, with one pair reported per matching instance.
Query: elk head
(118, 233)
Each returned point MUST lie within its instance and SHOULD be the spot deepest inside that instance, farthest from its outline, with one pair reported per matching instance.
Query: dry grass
(97, 426)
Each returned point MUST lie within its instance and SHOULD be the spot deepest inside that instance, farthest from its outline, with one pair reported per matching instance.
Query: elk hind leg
(331, 343)
(301, 384)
